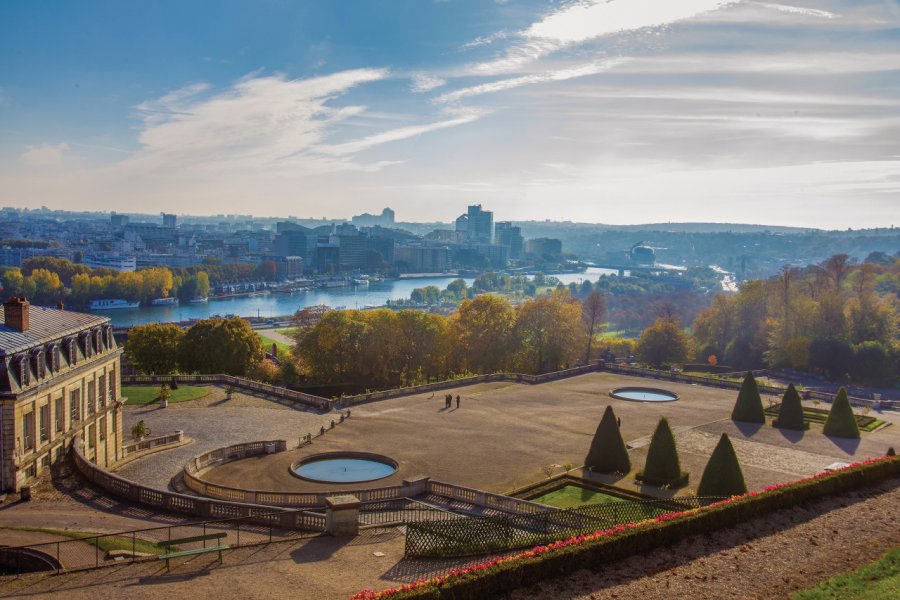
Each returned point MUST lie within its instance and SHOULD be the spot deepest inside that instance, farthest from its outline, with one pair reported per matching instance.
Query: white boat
(361, 281)
(113, 304)
(170, 301)
(199, 300)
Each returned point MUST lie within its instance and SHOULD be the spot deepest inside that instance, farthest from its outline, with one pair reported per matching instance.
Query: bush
(607, 453)
(790, 416)
(841, 422)
(749, 407)
(663, 467)
(722, 477)
(139, 430)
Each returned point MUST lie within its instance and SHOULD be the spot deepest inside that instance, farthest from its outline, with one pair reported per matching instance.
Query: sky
(604, 111)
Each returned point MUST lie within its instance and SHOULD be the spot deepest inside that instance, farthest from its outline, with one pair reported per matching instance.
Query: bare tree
(593, 313)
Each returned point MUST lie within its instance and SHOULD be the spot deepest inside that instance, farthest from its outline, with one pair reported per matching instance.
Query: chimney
(15, 313)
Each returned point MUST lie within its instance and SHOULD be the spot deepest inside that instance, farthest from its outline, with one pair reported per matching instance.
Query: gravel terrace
(213, 422)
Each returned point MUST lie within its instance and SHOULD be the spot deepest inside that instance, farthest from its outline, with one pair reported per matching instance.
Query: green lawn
(819, 416)
(104, 542)
(879, 580)
(142, 394)
(267, 342)
(573, 495)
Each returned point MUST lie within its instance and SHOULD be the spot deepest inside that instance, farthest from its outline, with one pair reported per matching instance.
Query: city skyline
(621, 112)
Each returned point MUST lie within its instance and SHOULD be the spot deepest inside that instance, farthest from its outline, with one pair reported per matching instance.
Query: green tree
(608, 453)
(841, 421)
(722, 477)
(154, 348)
(662, 342)
(749, 407)
(663, 466)
(790, 415)
(220, 346)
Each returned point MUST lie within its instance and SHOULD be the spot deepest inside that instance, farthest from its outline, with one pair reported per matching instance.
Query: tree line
(835, 318)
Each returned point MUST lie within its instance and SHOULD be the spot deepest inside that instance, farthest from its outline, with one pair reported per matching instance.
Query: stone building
(59, 377)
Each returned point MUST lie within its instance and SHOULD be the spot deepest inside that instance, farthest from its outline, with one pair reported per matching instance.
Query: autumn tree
(662, 342)
(481, 330)
(549, 332)
(154, 348)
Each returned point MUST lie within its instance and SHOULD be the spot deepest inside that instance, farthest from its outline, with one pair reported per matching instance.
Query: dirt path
(764, 558)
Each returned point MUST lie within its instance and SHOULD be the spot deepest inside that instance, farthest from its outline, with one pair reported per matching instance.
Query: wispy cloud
(584, 21)
(45, 155)
(422, 82)
(798, 10)
(515, 82)
(401, 133)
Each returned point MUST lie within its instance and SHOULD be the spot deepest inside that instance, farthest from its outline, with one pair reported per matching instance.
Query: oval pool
(640, 394)
(344, 467)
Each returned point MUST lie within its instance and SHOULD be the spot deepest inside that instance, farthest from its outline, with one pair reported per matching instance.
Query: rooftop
(46, 325)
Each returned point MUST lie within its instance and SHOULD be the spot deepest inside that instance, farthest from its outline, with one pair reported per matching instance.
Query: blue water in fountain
(644, 396)
(345, 470)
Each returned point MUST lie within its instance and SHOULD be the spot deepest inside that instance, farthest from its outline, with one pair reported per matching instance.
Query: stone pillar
(415, 486)
(342, 515)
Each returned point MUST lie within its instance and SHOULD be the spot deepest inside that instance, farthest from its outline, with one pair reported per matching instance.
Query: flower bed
(500, 575)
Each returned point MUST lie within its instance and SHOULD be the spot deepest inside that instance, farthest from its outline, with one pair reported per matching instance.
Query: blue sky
(619, 111)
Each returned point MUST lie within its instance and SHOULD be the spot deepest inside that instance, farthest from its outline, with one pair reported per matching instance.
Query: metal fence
(402, 511)
(92, 551)
(480, 535)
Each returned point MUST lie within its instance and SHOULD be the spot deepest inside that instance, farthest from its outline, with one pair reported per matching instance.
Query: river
(376, 293)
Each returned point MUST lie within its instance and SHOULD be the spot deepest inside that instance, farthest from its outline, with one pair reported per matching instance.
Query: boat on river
(113, 304)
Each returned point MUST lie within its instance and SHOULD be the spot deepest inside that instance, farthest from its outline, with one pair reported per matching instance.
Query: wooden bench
(197, 538)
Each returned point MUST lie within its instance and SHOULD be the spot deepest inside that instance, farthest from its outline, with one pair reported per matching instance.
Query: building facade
(59, 378)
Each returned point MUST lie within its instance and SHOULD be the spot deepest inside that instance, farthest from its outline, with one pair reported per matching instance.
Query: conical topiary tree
(790, 415)
(749, 406)
(663, 467)
(841, 421)
(608, 453)
(722, 476)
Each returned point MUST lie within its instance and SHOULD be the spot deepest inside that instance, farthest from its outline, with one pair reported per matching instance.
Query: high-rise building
(169, 220)
(296, 240)
(480, 225)
(511, 237)
(544, 248)
(118, 221)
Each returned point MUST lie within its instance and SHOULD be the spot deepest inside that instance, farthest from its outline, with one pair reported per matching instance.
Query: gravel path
(213, 422)
(770, 557)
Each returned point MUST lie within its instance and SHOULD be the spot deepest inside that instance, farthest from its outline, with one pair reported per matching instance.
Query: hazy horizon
(625, 112)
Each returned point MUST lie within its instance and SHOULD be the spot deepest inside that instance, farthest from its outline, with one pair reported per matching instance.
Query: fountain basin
(344, 467)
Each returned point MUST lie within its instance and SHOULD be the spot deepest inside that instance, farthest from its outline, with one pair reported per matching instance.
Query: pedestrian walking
(457, 401)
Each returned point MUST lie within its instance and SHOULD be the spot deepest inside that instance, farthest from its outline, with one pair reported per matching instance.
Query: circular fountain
(643, 394)
(344, 467)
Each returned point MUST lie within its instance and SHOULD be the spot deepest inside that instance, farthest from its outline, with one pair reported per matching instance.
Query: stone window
(75, 404)
(60, 406)
(112, 387)
(72, 351)
(91, 397)
(24, 371)
(45, 422)
(101, 388)
(39, 363)
(28, 431)
(103, 428)
(53, 354)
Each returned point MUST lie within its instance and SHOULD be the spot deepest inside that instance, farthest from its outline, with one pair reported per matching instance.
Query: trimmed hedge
(501, 575)
(841, 421)
(790, 415)
(608, 453)
(722, 476)
(749, 407)
(663, 467)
